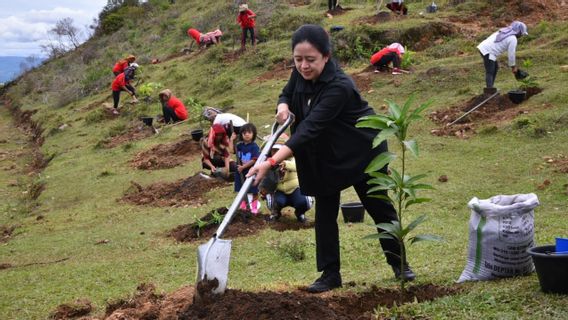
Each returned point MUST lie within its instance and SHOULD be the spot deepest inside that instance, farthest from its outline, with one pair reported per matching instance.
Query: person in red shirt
(122, 64)
(172, 107)
(246, 20)
(122, 83)
(392, 53)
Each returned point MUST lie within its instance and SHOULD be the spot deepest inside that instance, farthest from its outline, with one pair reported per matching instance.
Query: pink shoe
(243, 205)
(255, 205)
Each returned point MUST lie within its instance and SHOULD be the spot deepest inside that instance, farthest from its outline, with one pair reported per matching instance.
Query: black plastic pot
(551, 269)
(147, 120)
(353, 212)
(517, 96)
(196, 134)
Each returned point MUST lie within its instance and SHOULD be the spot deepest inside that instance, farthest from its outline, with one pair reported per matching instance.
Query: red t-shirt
(377, 56)
(120, 66)
(195, 34)
(178, 107)
(244, 20)
(119, 82)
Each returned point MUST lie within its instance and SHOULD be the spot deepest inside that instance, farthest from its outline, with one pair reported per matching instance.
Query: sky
(24, 25)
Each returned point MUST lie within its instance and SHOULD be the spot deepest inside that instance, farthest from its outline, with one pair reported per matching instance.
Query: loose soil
(165, 156)
(6, 233)
(79, 308)
(496, 110)
(559, 163)
(295, 304)
(381, 16)
(182, 193)
(134, 133)
(244, 224)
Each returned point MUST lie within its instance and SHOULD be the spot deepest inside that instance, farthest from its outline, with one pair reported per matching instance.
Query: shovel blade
(213, 263)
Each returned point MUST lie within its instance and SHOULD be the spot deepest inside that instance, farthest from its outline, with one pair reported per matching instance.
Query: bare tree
(65, 37)
(65, 29)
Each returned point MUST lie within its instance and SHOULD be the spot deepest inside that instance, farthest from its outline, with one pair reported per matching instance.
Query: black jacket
(331, 153)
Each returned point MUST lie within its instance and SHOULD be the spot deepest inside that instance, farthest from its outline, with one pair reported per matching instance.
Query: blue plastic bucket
(562, 245)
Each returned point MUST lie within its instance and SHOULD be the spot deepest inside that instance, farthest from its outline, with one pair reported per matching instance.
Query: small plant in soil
(200, 225)
(408, 58)
(216, 217)
(403, 187)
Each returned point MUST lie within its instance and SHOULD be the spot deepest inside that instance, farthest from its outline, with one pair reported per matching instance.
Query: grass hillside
(66, 233)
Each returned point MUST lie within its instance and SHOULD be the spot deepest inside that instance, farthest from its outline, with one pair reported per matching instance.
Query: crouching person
(287, 189)
(172, 107)
(216, 153)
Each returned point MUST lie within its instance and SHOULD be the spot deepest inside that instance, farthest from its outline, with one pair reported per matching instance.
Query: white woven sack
(501, 229)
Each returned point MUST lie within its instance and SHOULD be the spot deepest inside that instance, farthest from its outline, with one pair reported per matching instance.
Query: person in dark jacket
(331, 152)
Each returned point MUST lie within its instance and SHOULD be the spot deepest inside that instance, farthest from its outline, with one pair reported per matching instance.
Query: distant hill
(10, 67)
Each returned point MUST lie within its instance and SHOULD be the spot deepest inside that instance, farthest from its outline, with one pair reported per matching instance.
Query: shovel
(213, 257)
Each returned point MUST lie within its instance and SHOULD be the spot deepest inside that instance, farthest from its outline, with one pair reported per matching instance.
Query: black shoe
(327, 281)
(407, 273)
(302, 218)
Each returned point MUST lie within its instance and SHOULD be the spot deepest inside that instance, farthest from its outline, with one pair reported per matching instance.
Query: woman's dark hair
(315, 35)
(248, 127)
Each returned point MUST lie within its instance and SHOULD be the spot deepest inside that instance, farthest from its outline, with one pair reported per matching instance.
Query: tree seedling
(200, 224)
(402, 186)
(216, 217)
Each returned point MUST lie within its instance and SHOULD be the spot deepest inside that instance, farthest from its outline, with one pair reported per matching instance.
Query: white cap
(135, 65)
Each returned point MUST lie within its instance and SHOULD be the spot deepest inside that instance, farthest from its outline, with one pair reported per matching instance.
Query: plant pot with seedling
(551, 265)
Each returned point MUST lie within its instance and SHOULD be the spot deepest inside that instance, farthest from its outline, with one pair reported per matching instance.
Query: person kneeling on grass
(122, 83)
(287, 189)
(172, 107)
(392, 53)
(397, 6)
(205, 39)
(215, 150)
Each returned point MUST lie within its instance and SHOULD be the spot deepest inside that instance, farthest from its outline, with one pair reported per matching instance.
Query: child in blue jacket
(247, 152)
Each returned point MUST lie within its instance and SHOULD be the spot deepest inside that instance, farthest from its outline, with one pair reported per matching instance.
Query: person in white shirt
(217, 116)
(496, 44)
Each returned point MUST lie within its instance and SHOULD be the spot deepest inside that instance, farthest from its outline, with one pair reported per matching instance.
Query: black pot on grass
(517, 96)
(147, 121)
(353, 212)
(551, 269)
(196, 134)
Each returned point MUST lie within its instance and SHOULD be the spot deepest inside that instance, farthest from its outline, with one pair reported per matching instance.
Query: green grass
(83, 184)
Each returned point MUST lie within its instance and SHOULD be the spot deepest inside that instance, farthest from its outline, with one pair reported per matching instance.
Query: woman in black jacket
(331, 153)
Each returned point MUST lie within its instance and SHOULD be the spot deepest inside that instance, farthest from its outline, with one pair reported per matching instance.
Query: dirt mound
(244, 224)
(558, 162)
(237, 304)
(381, 16)
(530, 12)
(165, 156)
(79, 308)
(280, 71)
(134, 133)
(182, 193)
(496, 110)
(6, 232)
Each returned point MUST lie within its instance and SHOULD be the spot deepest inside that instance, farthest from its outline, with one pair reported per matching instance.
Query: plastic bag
(501, 229)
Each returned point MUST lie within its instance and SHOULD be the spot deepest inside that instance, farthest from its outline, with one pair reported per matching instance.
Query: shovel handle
(276, 132)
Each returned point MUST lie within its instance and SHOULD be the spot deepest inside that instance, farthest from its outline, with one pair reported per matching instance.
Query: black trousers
(327, 230)
(386, 59)
(244, 36)
(116, 95)
(491, 68)
(331, 4)
(169, 115)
